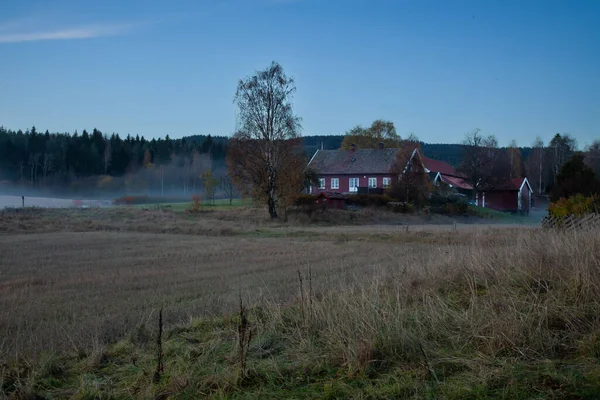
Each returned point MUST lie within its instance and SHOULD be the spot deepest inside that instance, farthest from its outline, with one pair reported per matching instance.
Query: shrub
(402, 207)
(365, 200)
(305, 199)
(574, 205)
(196, 203)
(457, 208)
(453, 204)
(125, 200)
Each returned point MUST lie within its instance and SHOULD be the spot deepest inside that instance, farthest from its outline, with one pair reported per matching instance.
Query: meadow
(258, 309)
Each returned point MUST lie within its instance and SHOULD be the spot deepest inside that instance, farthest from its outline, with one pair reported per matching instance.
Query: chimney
(381, 145)
(352, 147)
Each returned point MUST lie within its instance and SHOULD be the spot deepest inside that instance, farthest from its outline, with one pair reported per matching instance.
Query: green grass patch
(288, 360)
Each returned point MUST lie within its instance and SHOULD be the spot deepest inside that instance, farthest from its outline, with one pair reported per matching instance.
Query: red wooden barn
(345, 171)
(513, 196)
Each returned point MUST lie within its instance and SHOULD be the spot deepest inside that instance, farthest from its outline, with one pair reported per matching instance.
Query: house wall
(525, 199)
(501, 200)
(363, 181)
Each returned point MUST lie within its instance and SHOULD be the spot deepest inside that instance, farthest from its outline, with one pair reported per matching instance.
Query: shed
(332, 200)
(512, 196)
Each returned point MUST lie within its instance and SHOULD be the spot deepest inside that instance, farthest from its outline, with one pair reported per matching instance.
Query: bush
(125, 200)
(451, 204)
(402, 207)
(196, 203)
(364, 200)
(458, 208)
(574, 205)
(305, 199)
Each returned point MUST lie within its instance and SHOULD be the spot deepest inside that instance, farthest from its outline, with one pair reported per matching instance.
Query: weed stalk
(159, 350)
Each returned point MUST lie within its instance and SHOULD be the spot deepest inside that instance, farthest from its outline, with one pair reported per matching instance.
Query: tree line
(95, 162)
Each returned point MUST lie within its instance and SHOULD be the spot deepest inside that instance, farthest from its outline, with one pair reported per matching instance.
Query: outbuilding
(513, 196)
(332, 200)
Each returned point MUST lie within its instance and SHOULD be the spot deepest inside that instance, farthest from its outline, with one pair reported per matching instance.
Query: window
(387, 182)
(335, 183)
(321, 183)
(353, 184)
(372, 182)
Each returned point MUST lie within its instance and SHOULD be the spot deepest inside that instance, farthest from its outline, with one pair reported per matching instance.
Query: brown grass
(434, 303)
(76, 279)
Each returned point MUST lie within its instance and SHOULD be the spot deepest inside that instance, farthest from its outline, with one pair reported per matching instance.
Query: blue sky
(516, 69)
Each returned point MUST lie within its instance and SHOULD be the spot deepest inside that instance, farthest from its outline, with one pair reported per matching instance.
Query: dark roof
(513, 184)
(438, 166)
(359, 161)
(456, 181)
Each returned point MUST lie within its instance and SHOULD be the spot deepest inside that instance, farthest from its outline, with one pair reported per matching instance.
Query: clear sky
(516, 69)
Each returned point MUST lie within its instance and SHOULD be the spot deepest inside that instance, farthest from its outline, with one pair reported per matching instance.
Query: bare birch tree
(264, 144)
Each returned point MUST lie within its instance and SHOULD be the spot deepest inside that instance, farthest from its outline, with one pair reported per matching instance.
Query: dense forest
(96, 164)
(104, 165)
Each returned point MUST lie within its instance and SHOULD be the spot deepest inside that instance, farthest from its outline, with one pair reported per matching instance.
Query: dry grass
(63, 290)
(471, 313)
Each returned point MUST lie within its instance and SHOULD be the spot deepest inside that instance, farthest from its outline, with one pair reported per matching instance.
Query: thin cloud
(86, 32)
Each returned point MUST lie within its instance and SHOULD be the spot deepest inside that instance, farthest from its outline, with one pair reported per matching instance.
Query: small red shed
(332, 200)
(513, 196)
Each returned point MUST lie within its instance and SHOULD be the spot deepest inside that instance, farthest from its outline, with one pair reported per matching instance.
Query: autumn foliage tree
(263, 158)
(413, 184)
(210, 185)
(380, 131)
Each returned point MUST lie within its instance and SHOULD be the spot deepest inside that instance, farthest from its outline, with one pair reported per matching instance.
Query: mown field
(329, 310)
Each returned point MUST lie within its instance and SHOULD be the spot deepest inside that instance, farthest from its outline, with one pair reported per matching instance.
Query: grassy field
(362, 311)
(218, 204)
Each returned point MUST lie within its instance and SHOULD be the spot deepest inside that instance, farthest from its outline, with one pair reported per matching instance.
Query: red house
(351, 171)
(512, 196)
(342, 172)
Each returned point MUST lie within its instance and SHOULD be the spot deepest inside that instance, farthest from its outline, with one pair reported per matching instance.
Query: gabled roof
(434, 166)
(438, 166)
(514, 184)
(454, 181)
(359, 161)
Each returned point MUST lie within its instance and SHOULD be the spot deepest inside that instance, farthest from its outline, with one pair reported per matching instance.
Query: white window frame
(387, 182)
(371, 180)
(335, 183)
(353, 188)
(322, 183)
